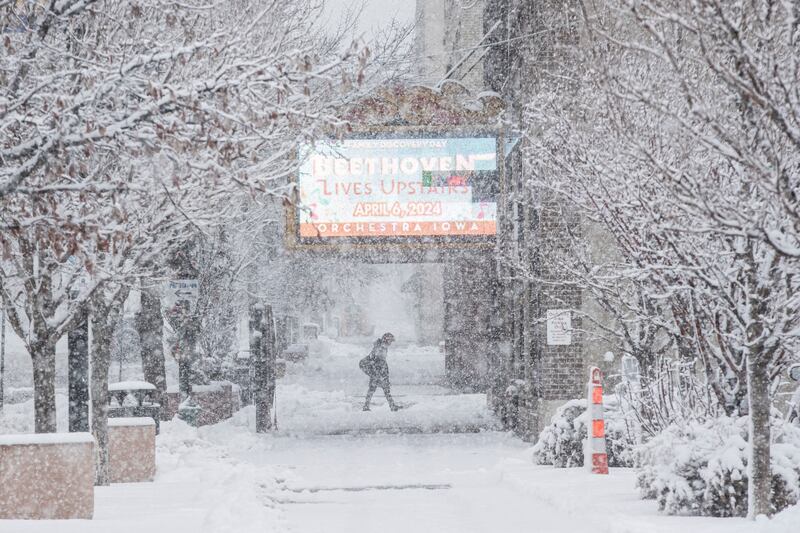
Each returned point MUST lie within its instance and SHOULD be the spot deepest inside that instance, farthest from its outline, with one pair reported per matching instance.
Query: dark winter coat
(374, 365)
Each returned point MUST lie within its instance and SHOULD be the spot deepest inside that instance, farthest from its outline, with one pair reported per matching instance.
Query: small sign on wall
(559, 327)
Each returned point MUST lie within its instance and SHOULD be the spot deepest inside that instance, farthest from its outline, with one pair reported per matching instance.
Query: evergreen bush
(561, 443)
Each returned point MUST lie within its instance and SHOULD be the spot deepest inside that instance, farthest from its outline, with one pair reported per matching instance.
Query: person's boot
(367, 400)
(392, 405)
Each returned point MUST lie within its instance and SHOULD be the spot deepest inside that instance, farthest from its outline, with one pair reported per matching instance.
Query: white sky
(376, 14)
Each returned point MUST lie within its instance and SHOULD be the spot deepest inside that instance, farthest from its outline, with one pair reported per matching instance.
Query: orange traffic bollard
(595, 456)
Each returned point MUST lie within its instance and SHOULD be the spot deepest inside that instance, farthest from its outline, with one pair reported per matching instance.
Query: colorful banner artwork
(399, 188)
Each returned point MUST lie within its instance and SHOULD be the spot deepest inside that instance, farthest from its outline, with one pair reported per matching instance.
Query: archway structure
(418, 178)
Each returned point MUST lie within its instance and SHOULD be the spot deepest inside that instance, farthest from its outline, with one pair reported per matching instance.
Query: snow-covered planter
(46, 476)
(702, 468)
(561, 443)
(131, 450)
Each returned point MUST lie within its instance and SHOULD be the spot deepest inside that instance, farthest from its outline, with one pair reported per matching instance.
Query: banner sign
(559, 327)
(181, 294)
(399, 188)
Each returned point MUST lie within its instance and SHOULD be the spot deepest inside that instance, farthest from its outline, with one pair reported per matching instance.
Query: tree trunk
(102, 326)
(760, 478)
(258, 343)
(270, 363)
(78, 381)
(43, 356)
(150, 326)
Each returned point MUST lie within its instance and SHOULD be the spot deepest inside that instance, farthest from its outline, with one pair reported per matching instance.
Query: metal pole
(184, 373)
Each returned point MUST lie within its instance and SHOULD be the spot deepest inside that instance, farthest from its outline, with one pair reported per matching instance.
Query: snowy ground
(311, 476)
(324, 394)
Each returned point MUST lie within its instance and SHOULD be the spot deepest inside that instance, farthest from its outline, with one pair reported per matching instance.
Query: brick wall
(535, 229)
(561, 367)
(470, 351)
(537, 241)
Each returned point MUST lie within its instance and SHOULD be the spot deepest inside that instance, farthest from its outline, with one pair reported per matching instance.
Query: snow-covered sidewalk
(227, 478)
(198, 489)
(478, 482)
(332, 468)
(325, 394)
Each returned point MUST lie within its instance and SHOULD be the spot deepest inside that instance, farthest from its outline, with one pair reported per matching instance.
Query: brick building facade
(517, 46)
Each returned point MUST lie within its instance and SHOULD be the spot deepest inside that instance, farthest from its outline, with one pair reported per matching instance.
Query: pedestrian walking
(375, 366)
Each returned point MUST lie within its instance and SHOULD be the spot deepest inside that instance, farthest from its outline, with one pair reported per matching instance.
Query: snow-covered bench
(295, 353)
(134, 399)
(47, 476)
(131, 449)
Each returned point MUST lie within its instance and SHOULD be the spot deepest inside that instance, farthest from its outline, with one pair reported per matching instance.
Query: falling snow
(341, 266)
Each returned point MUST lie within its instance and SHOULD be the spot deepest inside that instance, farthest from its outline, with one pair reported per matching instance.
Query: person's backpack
(367, 364)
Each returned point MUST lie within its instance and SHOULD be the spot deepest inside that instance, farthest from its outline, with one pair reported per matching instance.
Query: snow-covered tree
(679, 140)
(81, 76)
(124, 125)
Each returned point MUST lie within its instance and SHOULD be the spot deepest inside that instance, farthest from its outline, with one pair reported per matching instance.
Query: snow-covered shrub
(621, 439)
(701, 468)
(561, 443)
